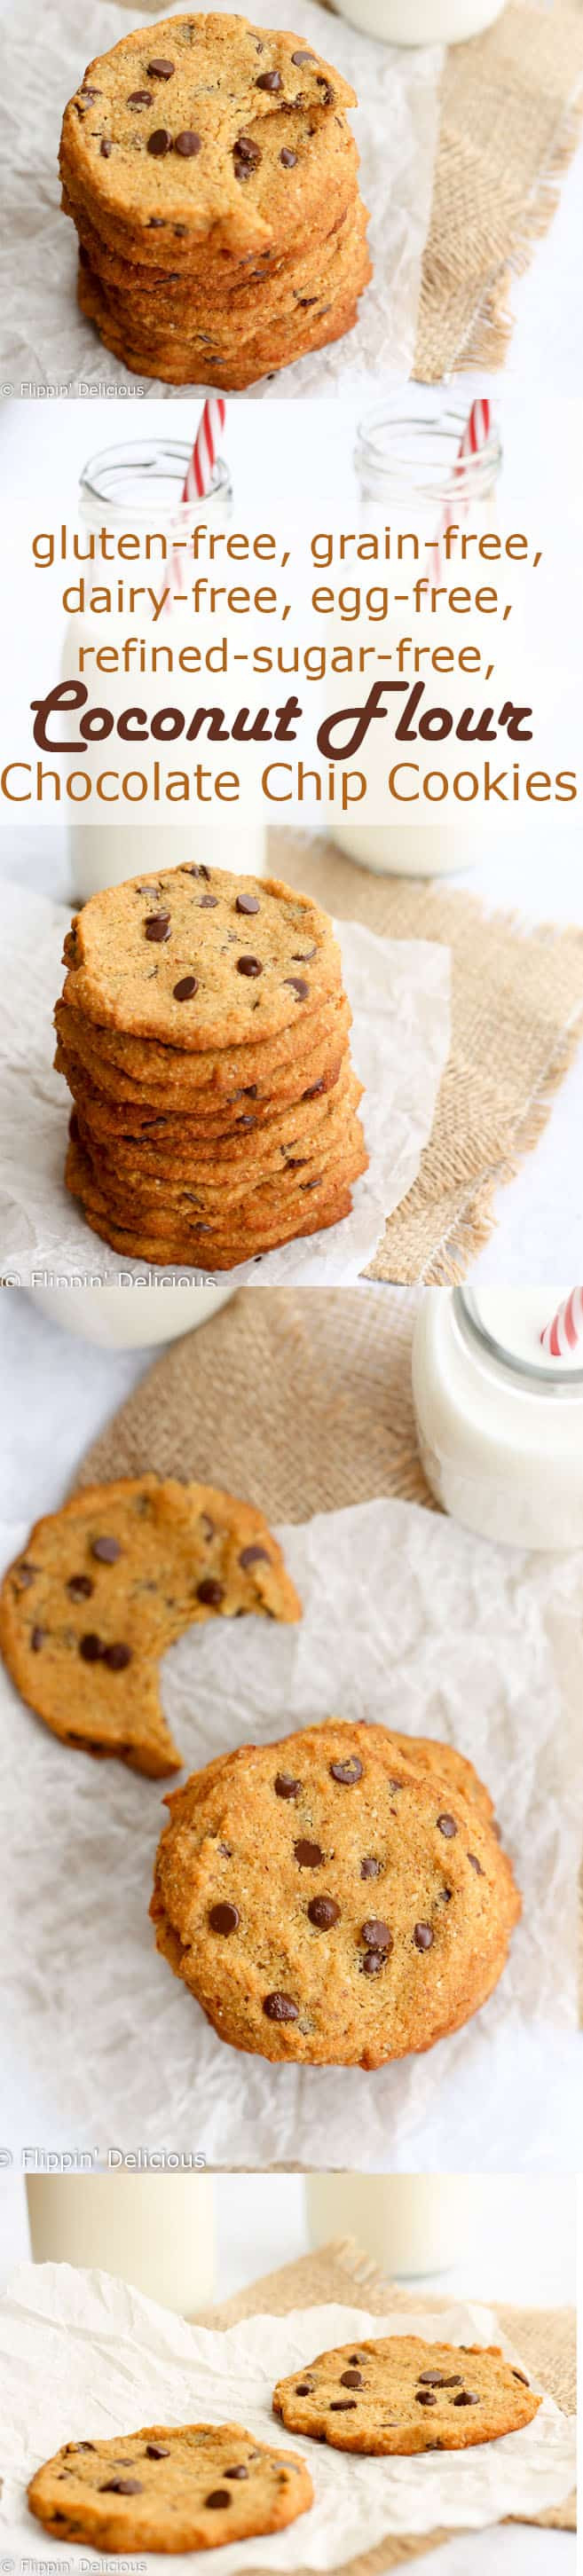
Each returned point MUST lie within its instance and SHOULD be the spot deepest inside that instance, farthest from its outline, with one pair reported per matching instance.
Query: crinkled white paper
(409, 1621)
(43, 335)
(399, 992)
(84, 2357)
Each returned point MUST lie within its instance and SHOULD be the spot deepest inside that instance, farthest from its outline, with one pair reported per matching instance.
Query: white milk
(499, 1423)
(418, 851)
(129, 1318)
(421, 22)
(153, 2230)
(409, 2223)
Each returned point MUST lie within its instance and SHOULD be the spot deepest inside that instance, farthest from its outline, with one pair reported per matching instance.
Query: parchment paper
(410, 1621)
(84, 2357)
(43, 336)
(399, 991)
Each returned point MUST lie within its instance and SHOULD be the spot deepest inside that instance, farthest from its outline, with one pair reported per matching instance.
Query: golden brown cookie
(103, 1588)
(399, 2394)
(237, 959)
(332, 1899)
(169, 2487)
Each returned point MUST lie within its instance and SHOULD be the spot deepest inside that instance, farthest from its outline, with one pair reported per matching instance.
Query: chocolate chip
(447, 1825)
(140, 98)
(157, 2450)
(122, 2486)
(157, 223)
(476, 1864)
(323, 1912)
(105, 148)
(437, 2379)
(180, 231)
(160, 70)
(246, 157)
(372, 1963)
(247, 903)
(376, 1935)
(370, 1868)
(183, 991)
(305, 300)
(304, 58)
(159, 142)
(106, 1549)
(79, 1587)
(327, 92)
(116, 1657)
(37, 1639)
(315, 1087)
(423, 1936)
(249, 966)
(280, 2008)
(80, 2446)
(289, 160)
(308, 1855)
(519, 2374)
(26, 1573)
(237, 2473)
(252, 1555)
(269, 80)
(211, 1592)
(90, 1647)
(188, 144)
(346, 1772)
(342, 2406)
(219, 2498)
(224, 1918)
(351, 2379)
(467, 2399)
(297, 985)
(91, 94)
(424, 2397)
(304, 2388)
(158, 926)
(285, 1787)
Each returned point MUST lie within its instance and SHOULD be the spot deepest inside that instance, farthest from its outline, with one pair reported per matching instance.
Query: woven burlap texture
(544, 2336)
(510, 121)
(300, 1397)
(517, 1014)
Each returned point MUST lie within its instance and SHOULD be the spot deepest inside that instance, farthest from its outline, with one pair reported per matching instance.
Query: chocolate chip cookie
(207, 165)
(399, 2394)
(169, 2487)
(105, 1586)
(339, 1898)
(253, 955)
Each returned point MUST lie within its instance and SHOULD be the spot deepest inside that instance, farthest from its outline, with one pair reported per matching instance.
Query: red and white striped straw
(474, 437)
(199, 473)
(564, 1332)
(204, 454)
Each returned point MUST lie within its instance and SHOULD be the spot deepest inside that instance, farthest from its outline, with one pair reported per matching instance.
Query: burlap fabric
(517, 1016)
(300, 1397)
(511, 112)
(544, 2336)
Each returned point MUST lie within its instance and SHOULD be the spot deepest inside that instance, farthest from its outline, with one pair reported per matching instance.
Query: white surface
(45, 337)
(407, 1620)
(79, 2353)
(399, 993)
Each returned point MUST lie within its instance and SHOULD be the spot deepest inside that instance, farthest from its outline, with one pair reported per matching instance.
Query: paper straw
(564, 1333)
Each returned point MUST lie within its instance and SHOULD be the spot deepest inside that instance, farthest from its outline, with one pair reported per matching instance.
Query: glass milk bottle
(421, 22)
(410, 474)
(152, 2230)
(137, 488)
(499, 1422)
(410, 2223)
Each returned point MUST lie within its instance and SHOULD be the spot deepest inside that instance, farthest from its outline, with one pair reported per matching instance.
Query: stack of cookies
(204, 1035)
(212, 178)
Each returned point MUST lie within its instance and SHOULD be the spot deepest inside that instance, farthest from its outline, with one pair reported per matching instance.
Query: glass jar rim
(526, 1376)
(418, 452)
(147, 457)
